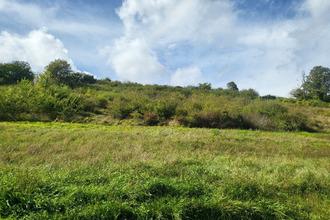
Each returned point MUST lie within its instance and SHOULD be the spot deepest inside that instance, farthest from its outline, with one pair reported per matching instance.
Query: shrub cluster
(150, 105)
(26, 101)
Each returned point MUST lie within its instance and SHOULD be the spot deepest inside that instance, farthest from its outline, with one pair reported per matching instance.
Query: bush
(122, 107)
(266, 108)
(219, 120)
(291, 122)
(260, 122)
(165, 109)
(150, 119)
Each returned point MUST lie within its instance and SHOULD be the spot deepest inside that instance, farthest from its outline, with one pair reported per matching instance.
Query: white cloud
(151, 26)
(317, 8)
(270, 57)
(26, 13)
(37, 48)
(133, 60)
(171, 20)
(267, 59)
(187, 76)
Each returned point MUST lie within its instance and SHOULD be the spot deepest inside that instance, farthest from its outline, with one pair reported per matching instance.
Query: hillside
(114, 102)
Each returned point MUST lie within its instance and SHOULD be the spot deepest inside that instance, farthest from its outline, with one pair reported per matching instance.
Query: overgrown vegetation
(11, 73)
(66, 171)
(113, 102)
(315, 86)
(62, 94)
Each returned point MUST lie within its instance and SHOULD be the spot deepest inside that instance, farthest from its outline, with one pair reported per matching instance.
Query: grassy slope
(56, 170)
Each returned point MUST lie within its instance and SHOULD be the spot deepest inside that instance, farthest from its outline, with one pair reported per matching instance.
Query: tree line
(314, 86)
(56, 72)
(61, 94)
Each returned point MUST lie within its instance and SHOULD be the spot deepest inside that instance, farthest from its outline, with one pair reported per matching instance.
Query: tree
(78, 78)
(232, 86)
(204, 86)
(251, 93)
(11, 73)
(315, 85)
(60, 71)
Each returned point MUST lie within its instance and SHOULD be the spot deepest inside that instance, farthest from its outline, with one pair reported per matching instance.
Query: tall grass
(65, 170)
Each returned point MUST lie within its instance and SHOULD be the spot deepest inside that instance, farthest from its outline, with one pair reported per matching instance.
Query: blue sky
(259, 44)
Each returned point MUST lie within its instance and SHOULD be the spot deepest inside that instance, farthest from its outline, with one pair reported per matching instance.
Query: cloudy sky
(260, 44)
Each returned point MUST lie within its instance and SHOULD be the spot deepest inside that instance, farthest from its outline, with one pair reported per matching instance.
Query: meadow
(53, 170)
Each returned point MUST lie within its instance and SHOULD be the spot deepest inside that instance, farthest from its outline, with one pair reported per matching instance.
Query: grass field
(63, 170)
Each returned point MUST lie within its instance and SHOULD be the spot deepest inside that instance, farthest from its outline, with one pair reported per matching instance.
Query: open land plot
(65, 170)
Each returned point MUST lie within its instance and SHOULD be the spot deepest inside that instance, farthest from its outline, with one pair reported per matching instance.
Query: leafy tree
(60, 71)
(318, 83)
(268, 97)
(251, 93)
(232, 86)
(78, 78)
(104, 81)
(11, 73)
(315, 85)
(204, 86)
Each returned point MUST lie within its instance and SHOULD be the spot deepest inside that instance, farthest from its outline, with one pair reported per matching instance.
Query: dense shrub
(152, 105)
(291, 122)
(219, 120)
(122, 107)
(165, 108)
(271, 115)
(256, 121)
(26, 101)
(151, 119)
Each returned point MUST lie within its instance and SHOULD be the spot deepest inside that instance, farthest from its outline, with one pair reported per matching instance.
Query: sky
(261, 44)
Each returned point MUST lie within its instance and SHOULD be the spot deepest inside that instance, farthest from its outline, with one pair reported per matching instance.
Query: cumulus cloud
(317, 8)
(212, 37)
(270, 57)
(172, 20)
(51, 16)
(187, 76)
(81, 25)
(133, 60)
(37, 48)
(153, 27)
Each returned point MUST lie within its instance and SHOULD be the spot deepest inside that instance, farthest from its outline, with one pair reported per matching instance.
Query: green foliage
(268, 97)
(250, 93)
(165, 108)
(78, 78)
(11, 73)
(204, 86)
(150, 119)
(232, 86)
(271, 115)
(112, 102)
(26, 101)
(219, 120)
(315, 86)
(60, 72)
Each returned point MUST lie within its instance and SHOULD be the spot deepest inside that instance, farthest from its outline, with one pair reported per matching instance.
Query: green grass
(64, 170)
